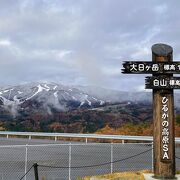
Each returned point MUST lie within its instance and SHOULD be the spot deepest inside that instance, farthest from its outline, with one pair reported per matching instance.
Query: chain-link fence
(70, 161)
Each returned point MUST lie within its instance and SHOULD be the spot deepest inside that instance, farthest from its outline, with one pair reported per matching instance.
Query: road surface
(77, 156)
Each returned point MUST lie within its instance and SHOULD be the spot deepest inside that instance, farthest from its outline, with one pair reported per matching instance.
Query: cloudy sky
(83, 42)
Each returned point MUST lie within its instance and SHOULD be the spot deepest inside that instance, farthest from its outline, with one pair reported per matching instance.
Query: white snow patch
(55, 94)
(89, 102)
(94, 98)
(47, 88)
(101, 102)
(84, 99)
(70, 89)
(19, 92)
(97, 109)
(54, 87)
(81, 103)
(40, 89)
(74, 98)
(6, 90)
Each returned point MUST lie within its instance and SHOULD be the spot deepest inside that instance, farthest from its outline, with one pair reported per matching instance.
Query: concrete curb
(149, 176)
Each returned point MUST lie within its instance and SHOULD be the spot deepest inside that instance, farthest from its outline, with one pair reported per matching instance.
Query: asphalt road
(12, 158)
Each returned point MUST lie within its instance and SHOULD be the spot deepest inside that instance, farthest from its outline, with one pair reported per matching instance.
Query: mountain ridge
(53, 96)
(60, 97)
(50, 107)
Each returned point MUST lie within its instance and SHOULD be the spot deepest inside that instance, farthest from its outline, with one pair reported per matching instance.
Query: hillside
(58, 108)
(81, 120)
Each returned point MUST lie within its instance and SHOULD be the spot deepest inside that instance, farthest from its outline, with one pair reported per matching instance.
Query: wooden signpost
(162, 82)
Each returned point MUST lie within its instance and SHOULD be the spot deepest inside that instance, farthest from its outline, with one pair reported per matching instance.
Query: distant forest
(132, 119)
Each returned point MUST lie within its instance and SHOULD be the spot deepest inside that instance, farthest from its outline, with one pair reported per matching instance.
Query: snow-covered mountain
(46, 96)
(52, 97)
(110, 95)
(115, 96)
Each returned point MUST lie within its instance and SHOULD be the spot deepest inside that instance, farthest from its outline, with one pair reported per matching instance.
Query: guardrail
(86, 136)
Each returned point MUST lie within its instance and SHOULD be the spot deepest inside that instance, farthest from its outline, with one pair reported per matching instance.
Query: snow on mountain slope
(52, 97)
(46, 96)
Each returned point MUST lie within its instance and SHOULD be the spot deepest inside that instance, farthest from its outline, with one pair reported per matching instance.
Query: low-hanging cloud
(91, 69)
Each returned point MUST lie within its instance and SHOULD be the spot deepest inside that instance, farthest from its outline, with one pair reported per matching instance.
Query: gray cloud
(84, 41)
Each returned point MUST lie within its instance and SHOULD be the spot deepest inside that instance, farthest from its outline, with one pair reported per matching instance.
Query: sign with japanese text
(162, 82)
(137, 67)
(165, 131)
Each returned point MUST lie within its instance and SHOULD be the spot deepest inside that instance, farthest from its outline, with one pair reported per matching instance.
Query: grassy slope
(118, 176)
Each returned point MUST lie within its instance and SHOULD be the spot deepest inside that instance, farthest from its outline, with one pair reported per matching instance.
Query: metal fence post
(2, 177)
(26, 160)
(111, 157)
(69, 161)
(36, 171)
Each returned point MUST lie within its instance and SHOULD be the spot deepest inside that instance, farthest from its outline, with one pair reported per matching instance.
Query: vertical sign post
(162, 82)
(163, 119)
